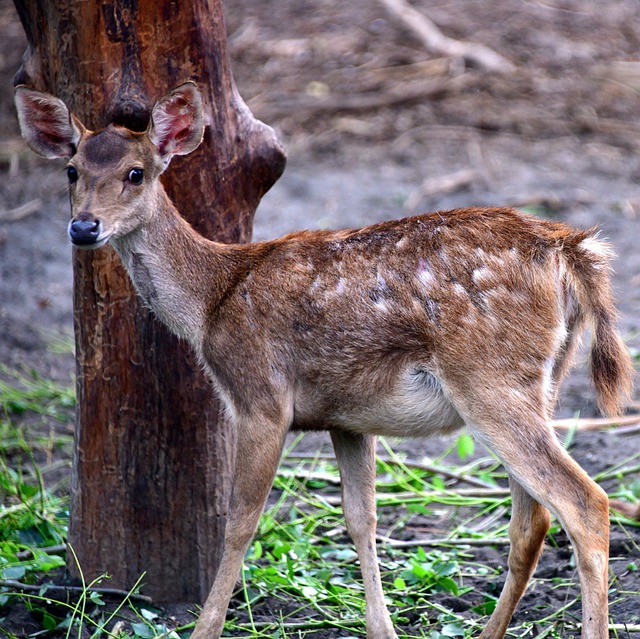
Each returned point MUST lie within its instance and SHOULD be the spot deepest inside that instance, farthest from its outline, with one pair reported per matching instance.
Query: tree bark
(151, 472)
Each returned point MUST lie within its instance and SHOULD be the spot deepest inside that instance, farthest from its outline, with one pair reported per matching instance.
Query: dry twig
(632, 511)
(268, 107)
(435, 40)
(470, 541)
(19, 213)
(112, 592)
(49, 550)
(440, 186)
(595, 423)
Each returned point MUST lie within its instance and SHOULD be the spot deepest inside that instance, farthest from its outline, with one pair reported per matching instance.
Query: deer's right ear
(46, 124)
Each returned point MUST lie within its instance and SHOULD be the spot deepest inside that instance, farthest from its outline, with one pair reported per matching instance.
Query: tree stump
(153, 458)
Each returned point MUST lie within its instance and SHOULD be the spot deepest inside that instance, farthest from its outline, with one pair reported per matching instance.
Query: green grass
(301, 574)
(27, 392)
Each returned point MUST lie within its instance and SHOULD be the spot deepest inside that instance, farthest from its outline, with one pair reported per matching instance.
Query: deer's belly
(416, 406)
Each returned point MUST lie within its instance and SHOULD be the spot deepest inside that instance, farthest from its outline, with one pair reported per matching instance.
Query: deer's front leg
(259, 447)
(356, 458)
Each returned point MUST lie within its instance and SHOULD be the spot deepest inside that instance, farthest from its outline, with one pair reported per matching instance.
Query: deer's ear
(177, 121)
(46, 124)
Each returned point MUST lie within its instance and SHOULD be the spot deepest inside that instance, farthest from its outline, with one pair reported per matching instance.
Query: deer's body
(404, 328)
(366, 329)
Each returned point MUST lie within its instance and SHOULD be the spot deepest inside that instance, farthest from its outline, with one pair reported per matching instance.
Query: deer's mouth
(87, 233)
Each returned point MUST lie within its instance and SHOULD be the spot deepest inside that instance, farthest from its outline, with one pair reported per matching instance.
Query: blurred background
(386, 109)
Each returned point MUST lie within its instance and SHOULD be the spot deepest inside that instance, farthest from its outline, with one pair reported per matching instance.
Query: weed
(28, 391)
(439, 525)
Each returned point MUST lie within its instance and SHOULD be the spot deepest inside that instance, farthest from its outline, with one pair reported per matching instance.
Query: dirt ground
(378, 126)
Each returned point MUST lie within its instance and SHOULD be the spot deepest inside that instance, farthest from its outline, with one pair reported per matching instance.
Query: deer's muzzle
(86, 233)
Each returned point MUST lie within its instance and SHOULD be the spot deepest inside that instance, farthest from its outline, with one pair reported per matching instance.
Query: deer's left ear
(46, 124)
(177, 121)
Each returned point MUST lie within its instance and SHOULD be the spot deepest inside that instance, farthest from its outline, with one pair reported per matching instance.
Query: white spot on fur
(547, 381)
(483, 276)
(315, 285)
(458, 289)
(425, 274)
(480, 253)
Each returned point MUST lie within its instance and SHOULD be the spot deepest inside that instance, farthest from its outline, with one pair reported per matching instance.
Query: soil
(378, 126)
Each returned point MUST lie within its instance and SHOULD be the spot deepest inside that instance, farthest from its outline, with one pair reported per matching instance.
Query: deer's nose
(84, 232)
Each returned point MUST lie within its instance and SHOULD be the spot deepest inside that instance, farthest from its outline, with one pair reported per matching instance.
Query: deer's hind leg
(527, 446)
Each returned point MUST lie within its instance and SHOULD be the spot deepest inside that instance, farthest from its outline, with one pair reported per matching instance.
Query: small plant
(429, 572)
(301, 574)
(27, 391)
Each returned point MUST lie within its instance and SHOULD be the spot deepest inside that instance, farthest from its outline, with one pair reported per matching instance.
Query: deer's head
(113, 173)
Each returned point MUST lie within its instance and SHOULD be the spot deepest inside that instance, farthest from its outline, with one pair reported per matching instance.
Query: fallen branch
(111, 592)
(440, 186)
(307, 475)
(49, 550)
(595, 423)
(434, 40)
(431, 468)
(303, 625)
(478, 493)
(437, 470)
(19, 213)
(632, 511)
(268, 107)
(469, 541)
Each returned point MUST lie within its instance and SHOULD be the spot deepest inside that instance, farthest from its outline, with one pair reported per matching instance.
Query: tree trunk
(151, 472)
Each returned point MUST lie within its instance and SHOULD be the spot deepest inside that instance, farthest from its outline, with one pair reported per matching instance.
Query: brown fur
(410, 327)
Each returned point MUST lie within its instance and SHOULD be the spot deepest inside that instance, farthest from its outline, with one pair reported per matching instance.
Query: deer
(412, 327)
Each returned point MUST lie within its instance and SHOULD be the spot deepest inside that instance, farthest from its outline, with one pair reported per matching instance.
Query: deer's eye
(72, 174)
(135, 176)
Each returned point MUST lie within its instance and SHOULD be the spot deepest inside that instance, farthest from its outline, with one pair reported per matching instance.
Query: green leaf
(257, 551)
(14, 572)
(487, 607)
(400, 584)
(418, 509)
(420, 571)
(49, 622)
(452, 630)
(448, 585)
(142, 630)
(466, 446)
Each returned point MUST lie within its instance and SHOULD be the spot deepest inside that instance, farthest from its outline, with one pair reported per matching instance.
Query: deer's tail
(610, 363)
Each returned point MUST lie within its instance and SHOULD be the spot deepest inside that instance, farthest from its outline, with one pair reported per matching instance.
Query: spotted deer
(412, 327)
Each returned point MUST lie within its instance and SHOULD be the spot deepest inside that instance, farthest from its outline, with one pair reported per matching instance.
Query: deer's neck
(178, 273)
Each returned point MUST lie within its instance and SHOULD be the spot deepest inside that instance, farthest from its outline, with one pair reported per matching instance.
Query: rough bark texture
(152, 468)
